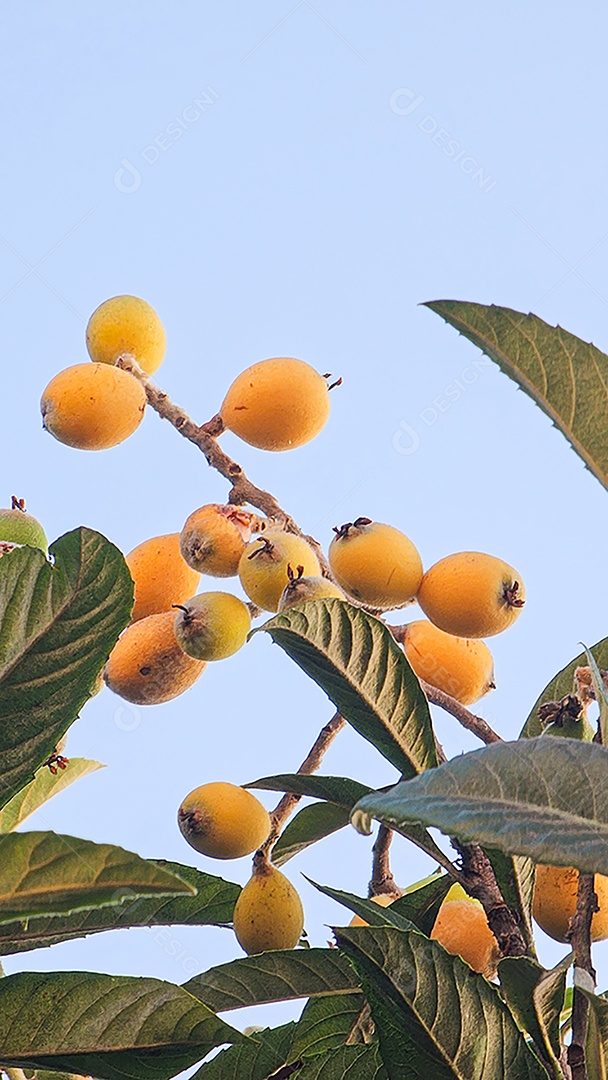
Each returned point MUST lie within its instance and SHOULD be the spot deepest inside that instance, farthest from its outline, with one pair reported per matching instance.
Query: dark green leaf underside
(357, 662)
(543, 798)
(212, 905)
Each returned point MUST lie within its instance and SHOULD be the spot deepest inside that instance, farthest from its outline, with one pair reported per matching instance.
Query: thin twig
(466, 719)
(382, 880)
(242, 489)
(580, 938)
(311, 763)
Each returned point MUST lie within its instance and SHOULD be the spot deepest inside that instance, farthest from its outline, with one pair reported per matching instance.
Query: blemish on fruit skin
(145, 670)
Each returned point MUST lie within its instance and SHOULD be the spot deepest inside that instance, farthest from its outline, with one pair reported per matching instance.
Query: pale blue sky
(314, 197)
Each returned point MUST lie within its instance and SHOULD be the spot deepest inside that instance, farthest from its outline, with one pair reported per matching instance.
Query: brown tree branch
(204, 436)
(311, 763)
(478, 878)
(580, 938)
(242, 490)
(466, 719)
(382, 880)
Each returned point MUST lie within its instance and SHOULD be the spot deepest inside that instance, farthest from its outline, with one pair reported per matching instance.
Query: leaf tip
(362, 821)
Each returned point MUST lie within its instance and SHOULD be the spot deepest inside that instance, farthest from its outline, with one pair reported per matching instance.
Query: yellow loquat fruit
(461, 667)
(375, 563)
(472, 595)
(214, 538)
(212, 625)
(277, 404)
(554, 901)
(92, 406)
(126, 325)
(223, 821)
(263, 566)
(268, 913)
(162, 578)
(462, 928)
(147, 665)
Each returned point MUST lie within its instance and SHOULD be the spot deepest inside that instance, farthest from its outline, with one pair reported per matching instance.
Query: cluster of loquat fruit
(276, 404)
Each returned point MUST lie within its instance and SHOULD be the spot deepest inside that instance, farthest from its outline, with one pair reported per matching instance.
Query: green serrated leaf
(336, 789)
(351, 1062)
(367, 909)
(262, 1055)
(355, 659)
(110, 1027)
(212, 905)
(422, 906)
(273, 976)
(309, 825)
(596, 1050)
(566, 376)
(343, 792)
(435, 1017)
(329, 1022)
(42, 788)
(58, 624)
(535, 997)
(561, 685)
(45, 873)
(542, 798)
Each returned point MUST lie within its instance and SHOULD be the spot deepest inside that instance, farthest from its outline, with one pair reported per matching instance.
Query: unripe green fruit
(18, 528)
(212, 625)
(223, 821)
(375, 563)
(300, 589)
(264, 562)
(572, 729)
(268, 914)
